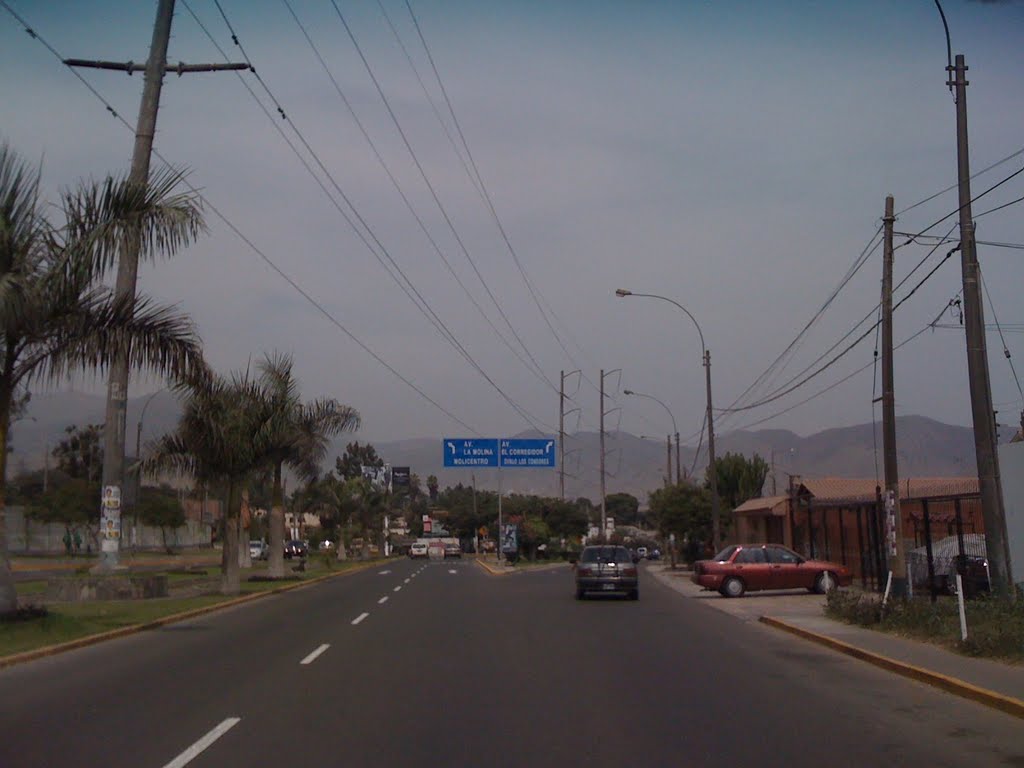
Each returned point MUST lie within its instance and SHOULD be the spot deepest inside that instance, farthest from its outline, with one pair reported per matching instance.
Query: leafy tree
(350, 466)
(533, 532)
(739, 478)
(56, 313)
(624, 508)
(300, 434)
(566, 519)
(160, 509)
(432, 487)
(71, 503)
(684, 510)
(80, 454)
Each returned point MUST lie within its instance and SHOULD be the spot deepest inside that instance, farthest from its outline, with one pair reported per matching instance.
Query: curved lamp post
(716, 537)
(675, 429)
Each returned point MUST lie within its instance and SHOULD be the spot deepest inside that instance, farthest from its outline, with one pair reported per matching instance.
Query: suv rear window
(605, 555)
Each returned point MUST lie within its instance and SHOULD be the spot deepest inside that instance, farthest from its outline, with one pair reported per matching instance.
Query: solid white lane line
(204, 743)
(382, 600)
(399, 587)
(312, 657)
(359, 618)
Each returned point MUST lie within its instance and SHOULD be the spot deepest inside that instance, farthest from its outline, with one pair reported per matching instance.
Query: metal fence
(943, 536)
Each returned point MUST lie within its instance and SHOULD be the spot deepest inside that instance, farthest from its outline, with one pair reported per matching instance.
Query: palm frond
(92, 333)
(106, 218)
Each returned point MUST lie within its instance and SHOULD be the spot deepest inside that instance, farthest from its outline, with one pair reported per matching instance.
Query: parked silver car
(608, 569)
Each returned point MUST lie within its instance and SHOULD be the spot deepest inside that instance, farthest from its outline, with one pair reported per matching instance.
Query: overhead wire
(366, 234)
(1006, 349)
(223, 218)
(536, 371)
(432, 189)
(533, 290)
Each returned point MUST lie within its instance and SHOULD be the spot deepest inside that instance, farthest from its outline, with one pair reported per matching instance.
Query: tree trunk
(275, 566)
(8, 592)
(244, 553)
(229, 584)
(342, 552)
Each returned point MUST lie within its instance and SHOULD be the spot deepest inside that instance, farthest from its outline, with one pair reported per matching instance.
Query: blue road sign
(470, 452)
(535, 454)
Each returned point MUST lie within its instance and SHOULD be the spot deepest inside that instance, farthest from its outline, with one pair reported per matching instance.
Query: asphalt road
(459, 668)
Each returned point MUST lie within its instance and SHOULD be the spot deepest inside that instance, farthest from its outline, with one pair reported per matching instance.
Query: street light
(716, 538)
(675, 429)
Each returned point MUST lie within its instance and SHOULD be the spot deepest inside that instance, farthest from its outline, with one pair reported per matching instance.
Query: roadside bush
(24, 613)
(853, 607)
(995, 627)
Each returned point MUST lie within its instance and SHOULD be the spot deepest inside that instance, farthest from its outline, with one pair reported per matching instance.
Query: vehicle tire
(580, 594)
(825, 583)
(733, 587)
(634, 594)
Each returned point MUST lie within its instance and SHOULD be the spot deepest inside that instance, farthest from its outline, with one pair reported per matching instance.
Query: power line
(1006, 350)
(433, 191)
(380, 252)
(951, 187)
(281, 273)
(534, 291)
(408, 204)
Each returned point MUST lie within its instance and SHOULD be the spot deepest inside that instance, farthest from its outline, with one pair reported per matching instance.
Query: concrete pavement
(802, 613)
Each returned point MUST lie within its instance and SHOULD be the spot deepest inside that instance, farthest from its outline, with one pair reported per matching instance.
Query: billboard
(400, 477)
(378, 477)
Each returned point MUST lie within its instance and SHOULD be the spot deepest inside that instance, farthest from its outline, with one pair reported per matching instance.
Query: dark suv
(606, 568)
(295, 548)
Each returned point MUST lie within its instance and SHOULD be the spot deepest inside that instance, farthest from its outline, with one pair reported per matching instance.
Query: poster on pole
(110, 519)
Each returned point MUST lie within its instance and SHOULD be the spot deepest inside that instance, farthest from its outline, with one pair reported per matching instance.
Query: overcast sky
(733, 156)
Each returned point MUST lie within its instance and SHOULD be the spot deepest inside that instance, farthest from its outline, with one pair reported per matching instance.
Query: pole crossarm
(132, 67)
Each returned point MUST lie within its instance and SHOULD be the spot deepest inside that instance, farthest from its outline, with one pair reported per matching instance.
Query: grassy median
(64, 622)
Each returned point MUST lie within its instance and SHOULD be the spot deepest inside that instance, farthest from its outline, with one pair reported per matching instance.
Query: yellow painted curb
(81, 642)
(491, 570)
(957, 687)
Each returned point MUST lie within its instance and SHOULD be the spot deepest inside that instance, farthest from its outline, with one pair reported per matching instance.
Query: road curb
(113, 634)
(957, 687)
(491, 570)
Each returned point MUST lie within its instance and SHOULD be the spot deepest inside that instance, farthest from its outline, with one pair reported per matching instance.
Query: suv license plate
(608, 587)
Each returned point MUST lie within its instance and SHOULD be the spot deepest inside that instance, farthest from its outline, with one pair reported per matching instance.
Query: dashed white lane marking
(312, 657)
(382, 600)
(398, 588)
(383, 573)
(452, 570)
(407, 580)
(359, 618)
(203, 744)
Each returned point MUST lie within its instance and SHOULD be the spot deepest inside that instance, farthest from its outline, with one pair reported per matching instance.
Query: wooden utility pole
(128, 266)
(993, 511)
(894, 522)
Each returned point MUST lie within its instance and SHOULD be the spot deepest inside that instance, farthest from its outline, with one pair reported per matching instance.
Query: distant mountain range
(634, 465)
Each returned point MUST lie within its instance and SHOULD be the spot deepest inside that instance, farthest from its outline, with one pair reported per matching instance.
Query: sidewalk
(993, 683)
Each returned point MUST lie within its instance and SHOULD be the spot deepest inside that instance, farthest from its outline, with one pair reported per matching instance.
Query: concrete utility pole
(894, 521)
(993, 511)
(716, 518)
(604, 510)
(128, 266)
(679, 470)
(668, 462)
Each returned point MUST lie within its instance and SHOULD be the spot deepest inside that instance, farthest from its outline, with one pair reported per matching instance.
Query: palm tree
(56, 316)
(329, 497)
(301, 437)
(225, 435)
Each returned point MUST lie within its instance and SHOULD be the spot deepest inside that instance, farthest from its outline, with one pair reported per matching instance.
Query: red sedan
(742, 567)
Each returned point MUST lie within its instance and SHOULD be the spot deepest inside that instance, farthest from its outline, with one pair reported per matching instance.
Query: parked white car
(418, 549)
(258, 550)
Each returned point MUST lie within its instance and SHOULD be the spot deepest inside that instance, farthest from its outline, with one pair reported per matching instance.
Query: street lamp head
(623, 292)
(628, 392)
